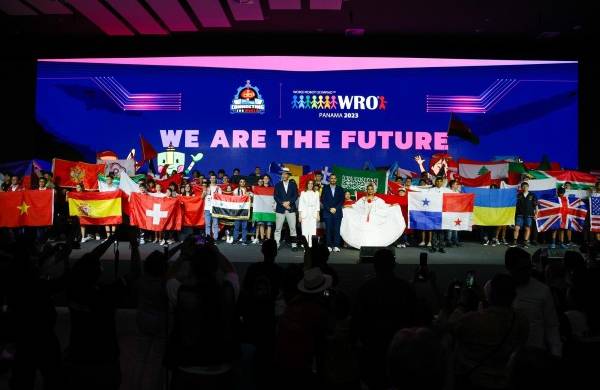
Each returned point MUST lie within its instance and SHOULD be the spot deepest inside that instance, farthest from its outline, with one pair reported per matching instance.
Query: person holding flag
(211, 224)
(526, 208)
(241, 190)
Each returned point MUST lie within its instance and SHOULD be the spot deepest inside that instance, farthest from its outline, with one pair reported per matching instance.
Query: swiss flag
(156, 214)
(193, 210)
(27, 208)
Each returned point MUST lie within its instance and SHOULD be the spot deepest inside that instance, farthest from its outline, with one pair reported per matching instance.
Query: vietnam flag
(96, 208)
(156, 214)
(26, 208)
(193, 210)
(70, 173)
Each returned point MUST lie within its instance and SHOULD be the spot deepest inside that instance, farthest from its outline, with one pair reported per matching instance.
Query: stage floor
(468, 253)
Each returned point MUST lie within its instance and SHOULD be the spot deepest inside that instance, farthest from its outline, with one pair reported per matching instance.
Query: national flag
(561, 213)
(127, 185)
(193, 210)
(595, 213)
(394, 187)
(543, 188)
(493, 207)
(263, 204)
(484, 180)
(27, 170)
(116, 166)
(459, 128)
(165, 183)
(472, 169)
(26, 208)
(516, 170)
(70, 173)
(96, 208)
(440, 211)
(357, 180)
(304, 179)
(231, 206)
(578, 180)
(103, 187)
(156, 214)
(148, 152)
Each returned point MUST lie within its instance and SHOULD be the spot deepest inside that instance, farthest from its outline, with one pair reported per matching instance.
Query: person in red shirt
(348, 199)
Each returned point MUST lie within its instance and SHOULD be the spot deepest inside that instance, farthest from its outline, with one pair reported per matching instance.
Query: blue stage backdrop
(315, 111)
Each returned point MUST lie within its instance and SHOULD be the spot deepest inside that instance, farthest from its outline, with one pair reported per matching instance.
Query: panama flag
(470, 169)
(437, 211)
(231, 206)
(263, 206)
(561, 213)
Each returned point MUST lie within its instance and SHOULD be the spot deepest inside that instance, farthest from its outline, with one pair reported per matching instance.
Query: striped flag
(96, 208)
(595, 212)
(561, 213)
(493, 207)
(231, 206)
(437, 211)
(472, 169)
(263, 205)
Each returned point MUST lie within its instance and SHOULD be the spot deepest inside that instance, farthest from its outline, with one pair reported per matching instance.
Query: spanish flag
(96, 208)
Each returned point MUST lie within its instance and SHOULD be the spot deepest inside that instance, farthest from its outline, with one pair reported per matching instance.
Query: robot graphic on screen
(171, 161)
(440, 164)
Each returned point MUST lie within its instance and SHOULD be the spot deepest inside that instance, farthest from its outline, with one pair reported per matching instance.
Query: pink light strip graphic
(326, 4)
(174, 16)
(285, 4)
(50, 7)
(101, 17)
(15, 8)
(471, 104)
(303, 63)
(246, 11)
(210, 13)
(128, 101)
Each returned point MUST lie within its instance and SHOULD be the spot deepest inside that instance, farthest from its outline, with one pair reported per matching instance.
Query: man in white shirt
(438, 236)
(211, 223)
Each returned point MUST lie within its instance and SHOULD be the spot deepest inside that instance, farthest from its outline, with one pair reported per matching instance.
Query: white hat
(314, 281)
(285, 170)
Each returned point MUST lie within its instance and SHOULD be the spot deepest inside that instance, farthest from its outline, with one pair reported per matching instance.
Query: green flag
(357, 179)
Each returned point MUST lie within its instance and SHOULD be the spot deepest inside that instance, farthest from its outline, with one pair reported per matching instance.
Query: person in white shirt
(108, 187)
(211, 224)
(438, 236)
(308, 210)
(240, 191)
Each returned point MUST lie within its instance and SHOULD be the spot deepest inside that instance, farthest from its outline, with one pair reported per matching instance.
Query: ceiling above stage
(538, 18)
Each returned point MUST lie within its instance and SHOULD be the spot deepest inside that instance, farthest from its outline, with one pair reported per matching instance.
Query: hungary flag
(263, 206)
(470, 169)
(356, 180)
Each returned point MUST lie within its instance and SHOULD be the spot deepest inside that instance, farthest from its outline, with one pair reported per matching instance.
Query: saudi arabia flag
(356, 180)
(263, 206)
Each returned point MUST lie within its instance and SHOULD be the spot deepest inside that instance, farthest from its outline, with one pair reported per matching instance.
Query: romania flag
(96, 208)
(493, 207)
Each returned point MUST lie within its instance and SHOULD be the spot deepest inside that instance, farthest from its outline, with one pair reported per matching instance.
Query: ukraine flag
(493, 207)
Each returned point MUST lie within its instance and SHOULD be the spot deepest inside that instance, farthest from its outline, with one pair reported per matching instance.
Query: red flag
(148, 152)
(224, 186)
(484, 180)
(70, 173)
(394, 188)
(27, 208)
(193, 210)
(304, 180)
(164, 183)
(156, 214)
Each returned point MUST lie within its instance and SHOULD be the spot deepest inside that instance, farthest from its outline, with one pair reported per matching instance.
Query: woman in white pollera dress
(371, 222)
(308, 207)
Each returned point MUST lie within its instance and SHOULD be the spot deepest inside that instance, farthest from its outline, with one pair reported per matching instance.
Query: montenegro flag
(96, 208)
(27, 208)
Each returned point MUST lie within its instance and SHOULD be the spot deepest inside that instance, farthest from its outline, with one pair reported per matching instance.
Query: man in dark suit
(332, 198)
(286, 193)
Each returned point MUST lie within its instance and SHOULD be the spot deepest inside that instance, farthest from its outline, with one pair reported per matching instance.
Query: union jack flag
(561, 213)
(595, 212)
